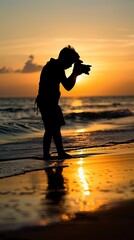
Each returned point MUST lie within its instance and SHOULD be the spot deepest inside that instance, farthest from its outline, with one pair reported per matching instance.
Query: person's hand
(80, 68)
(77, 68)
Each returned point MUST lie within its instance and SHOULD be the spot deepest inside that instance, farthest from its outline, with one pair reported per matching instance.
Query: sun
(78, 78)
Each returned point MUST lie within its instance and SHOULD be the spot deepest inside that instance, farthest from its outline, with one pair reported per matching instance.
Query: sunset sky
(33, 31)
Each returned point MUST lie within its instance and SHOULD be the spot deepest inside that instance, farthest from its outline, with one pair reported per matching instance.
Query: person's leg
(47, 135)
(58, 140)
(46, 143)
(59, 145)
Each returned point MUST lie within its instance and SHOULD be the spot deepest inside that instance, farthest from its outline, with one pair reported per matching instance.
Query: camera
(83, 68)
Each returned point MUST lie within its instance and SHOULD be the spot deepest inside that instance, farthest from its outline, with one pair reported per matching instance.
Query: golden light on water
(65, 217)
(81, 130)
(80, 161)
(76, 103)
(82, 177)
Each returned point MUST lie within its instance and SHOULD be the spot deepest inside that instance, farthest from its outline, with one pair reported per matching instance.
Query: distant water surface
(90, 122)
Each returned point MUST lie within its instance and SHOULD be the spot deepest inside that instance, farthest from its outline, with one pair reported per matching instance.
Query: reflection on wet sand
(82, 177)
(55, 189)
(51, 195)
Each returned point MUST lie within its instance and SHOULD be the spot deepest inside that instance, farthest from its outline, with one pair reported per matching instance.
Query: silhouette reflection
(56, 188)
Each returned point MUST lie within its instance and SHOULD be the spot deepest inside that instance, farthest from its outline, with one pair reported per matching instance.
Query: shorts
(52, 117)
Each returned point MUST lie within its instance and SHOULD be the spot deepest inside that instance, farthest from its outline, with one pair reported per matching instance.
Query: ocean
(91, 122)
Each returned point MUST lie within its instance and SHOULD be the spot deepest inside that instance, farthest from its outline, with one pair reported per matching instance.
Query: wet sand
(93, 198)
(116, 223)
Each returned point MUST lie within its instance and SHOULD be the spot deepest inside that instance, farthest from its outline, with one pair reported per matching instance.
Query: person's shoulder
(52, 63)
(49, 64)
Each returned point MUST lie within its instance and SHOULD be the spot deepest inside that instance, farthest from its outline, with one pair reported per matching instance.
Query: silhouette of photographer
(52, 74)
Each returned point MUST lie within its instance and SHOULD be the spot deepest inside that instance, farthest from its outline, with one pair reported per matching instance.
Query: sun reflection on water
(82, 177)
(81, 130)
(76, 103)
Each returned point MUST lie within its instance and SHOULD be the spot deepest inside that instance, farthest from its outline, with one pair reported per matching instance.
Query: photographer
(53, 73)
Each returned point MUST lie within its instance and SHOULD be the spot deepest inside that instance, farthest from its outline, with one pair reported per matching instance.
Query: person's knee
(48, 132)
(56, 131)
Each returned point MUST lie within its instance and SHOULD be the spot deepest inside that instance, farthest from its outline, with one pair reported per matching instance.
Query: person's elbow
(68, 88)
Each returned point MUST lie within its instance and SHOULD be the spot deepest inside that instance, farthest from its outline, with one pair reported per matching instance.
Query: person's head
(68, 56)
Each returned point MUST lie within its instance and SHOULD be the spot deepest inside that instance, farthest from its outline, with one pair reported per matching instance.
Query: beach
(93, 196)
(67, 120)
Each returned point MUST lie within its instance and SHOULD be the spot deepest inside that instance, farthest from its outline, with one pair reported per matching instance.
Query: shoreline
(94, 196)
(124, 148)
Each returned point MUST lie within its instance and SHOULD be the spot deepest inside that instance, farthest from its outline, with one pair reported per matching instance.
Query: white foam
(21, 166)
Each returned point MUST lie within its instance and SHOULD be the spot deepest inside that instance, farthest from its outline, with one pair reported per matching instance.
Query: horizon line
(125, 95)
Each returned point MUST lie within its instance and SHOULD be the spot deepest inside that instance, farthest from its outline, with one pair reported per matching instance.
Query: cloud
(5, 70)
(29, 66)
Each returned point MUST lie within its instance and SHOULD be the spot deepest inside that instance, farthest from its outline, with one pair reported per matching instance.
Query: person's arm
(68, 83)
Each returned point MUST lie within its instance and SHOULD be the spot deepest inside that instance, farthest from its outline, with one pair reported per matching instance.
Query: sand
(93, 198)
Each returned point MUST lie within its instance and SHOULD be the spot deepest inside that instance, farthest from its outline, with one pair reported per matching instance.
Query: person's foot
(64, 156)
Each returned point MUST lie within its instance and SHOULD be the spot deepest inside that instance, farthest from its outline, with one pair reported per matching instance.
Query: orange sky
(101, 31)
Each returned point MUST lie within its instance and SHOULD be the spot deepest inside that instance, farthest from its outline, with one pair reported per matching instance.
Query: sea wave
(31, 147)
(18, 128)
(31, 125)
(100, 115)
(13, 128)
(13, 109)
